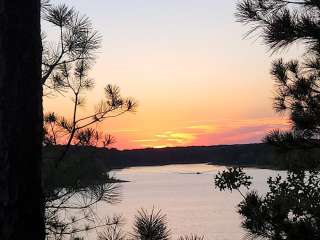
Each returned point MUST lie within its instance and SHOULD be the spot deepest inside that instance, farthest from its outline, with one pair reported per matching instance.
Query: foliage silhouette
(191, 237)
(71, 190)
(289, 210)
(291, 207)
(112, 233)
(232, 179)
(281, 23)
(150, 226)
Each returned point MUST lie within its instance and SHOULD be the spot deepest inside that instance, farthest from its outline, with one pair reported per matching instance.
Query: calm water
(189, 200)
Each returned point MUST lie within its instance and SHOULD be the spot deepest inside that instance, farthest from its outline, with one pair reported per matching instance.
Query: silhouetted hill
(244, 154)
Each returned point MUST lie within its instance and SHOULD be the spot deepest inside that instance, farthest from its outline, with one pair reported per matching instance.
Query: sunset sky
(197, 81)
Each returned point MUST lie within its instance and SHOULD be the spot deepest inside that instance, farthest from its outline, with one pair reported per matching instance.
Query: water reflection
(186, 194)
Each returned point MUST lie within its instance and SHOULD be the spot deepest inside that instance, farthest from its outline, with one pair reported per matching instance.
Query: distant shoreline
(249, 155)
(269, 167)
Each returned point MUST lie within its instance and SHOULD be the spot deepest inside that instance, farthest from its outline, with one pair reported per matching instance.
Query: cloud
(202, 127)
(145, 140)
(224, 131)
(241, 131)
(167, 139)
(175, 137)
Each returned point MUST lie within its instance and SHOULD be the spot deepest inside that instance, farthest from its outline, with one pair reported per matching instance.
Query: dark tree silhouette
(74, 50)
(291, 208)
(21, 198)
(150, 226)
(73, 188)
(65, 71)
(191, 237)
(281, 23)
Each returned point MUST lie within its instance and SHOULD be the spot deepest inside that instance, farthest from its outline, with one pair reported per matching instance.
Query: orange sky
(197, 81)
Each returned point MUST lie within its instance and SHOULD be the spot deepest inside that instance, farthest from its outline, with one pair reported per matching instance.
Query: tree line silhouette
(34, 196)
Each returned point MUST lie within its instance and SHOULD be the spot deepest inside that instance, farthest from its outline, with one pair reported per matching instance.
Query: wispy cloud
(145, 140)
(202, 127)
(224, 131)
(241, 131)
(175, 137)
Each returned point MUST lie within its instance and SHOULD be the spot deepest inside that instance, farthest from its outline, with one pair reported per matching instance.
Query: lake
(189, 200)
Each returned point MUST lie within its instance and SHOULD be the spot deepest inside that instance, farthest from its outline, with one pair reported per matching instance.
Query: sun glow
(195, 80)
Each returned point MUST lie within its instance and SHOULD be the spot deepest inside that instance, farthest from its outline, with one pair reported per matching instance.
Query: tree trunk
(21, 197)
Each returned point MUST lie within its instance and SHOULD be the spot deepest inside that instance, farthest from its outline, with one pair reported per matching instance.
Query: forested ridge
(259, 154)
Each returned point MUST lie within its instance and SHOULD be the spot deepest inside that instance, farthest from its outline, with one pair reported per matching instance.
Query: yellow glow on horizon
(161, 146)
(196, 80)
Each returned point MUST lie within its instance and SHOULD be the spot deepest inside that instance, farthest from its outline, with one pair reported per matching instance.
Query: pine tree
(21, 198)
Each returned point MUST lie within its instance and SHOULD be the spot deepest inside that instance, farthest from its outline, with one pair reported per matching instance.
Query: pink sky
(197, 81)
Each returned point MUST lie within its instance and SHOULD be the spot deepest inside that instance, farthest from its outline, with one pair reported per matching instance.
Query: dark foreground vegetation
(38, 202)
(290, 209)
